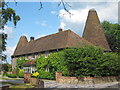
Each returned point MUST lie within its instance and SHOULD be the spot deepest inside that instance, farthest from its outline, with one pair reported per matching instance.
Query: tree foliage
(20, 62)
(7, 14)
(41, 64)
(112, 33)
(80, 62)
(92, 61)
(6, 67)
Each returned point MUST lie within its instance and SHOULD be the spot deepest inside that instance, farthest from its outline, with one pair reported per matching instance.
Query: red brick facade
(58, 76)
(27, 77)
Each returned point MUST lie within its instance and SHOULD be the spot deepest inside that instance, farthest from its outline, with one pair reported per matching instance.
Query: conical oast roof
(93, 31)
(22, 43)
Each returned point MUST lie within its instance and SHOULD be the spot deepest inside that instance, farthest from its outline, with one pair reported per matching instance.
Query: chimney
(31, 38)
(60, 29)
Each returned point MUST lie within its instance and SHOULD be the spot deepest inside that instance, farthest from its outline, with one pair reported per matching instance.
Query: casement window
(46, 54)
(26, 69)
(27, 57)
(38, 55)
(47, 69)
(31, 69)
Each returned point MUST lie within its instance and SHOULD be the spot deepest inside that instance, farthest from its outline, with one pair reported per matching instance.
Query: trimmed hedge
(21, 75)
(11, 75)
(79, 62)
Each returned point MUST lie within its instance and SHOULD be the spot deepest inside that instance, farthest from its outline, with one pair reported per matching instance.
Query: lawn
(18, 86)
(21, 86)
(15, 86)
(3, 78)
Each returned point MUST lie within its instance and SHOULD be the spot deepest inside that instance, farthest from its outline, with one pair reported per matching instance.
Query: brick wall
(58, 76)
(34, 80)
(85, 80)
(27, 77)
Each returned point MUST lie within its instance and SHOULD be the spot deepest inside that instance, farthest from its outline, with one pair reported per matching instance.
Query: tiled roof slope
(93, 31)
(58, 40)
(30, 62)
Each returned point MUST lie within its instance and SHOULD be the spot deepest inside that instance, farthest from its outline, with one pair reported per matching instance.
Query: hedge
(79, 62)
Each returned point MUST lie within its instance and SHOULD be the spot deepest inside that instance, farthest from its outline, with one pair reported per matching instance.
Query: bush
(21, 61)
(110, 65)
(5, 74)
(79, 62)
(46, 75)
(11, 75)
(20, 75)
(91, 61)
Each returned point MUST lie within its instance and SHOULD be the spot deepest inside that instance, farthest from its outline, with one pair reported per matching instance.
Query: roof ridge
(81, 38)
(53, 34)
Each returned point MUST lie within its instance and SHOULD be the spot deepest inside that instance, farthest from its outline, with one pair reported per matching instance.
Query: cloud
(62, 25)
(39, 36)
(43, 23)
(76, 22)
(9, 51)
(9, 31)
(25, 35)
(53, 12)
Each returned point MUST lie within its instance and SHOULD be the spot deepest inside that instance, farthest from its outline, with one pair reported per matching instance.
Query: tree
(6, 67)
(7, 14)
(112, 33)
(20, 62)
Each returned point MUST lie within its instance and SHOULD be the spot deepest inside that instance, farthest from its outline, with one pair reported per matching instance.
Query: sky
(50, 18)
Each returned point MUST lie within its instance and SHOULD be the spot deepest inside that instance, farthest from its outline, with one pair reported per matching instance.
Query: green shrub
(11, 75)
(46, 75)
(79, 62)
(8, 75)
(20, 75)
(5, 74)
(20, 62)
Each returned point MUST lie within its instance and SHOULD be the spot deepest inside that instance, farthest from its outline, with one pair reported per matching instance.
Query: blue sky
(46, 21)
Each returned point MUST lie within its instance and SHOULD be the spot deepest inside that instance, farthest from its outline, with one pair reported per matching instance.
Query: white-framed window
(31, 69)
(27, 57)
(47, 69)
(27, 69)
(46, 54)
(39, 55)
